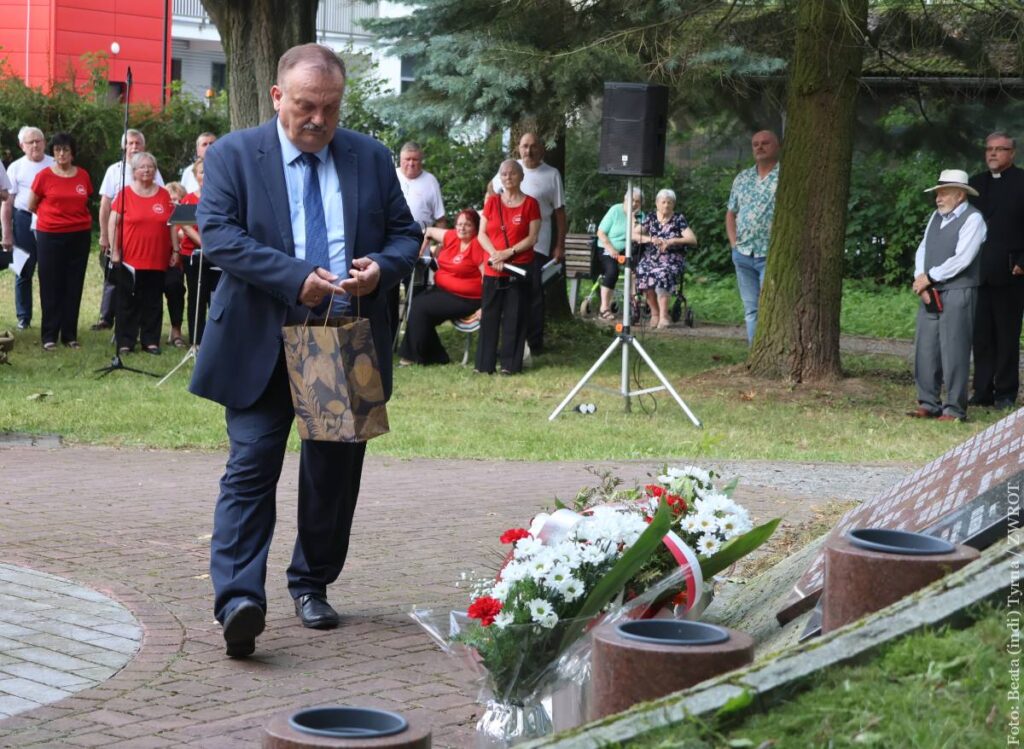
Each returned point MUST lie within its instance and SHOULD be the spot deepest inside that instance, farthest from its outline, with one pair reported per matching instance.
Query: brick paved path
(135, 525)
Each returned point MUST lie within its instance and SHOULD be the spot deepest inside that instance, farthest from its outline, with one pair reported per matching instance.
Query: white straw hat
(954, 178)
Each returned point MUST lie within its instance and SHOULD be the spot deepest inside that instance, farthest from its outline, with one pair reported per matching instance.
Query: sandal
(655, 321)
(49, 346)
(179, 342)
(606, 314)
(154, 350)
(73, 345)
(124, 350)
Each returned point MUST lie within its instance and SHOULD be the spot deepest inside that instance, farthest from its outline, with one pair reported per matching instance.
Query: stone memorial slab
(961, 497)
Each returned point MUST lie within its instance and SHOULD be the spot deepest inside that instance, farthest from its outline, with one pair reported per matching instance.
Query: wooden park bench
(581, 263)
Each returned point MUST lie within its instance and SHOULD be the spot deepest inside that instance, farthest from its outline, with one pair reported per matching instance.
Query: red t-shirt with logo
(185, 244)
(517, 227)
(458, 270)
(63, 201)
(146, 241)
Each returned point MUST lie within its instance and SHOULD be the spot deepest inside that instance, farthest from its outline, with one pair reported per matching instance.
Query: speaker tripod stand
(625, 340)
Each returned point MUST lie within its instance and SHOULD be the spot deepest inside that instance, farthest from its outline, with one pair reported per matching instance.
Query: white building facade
(197, 57)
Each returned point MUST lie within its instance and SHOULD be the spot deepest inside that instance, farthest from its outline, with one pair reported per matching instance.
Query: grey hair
(1001, 134)
(516, 164)
(207, 134)
(411, 147)
(28, 130)
(637, 194)
(138, 158)
(665, 193)
(132, 132)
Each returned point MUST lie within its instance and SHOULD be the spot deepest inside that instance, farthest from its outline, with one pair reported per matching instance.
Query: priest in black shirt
(1001, 294)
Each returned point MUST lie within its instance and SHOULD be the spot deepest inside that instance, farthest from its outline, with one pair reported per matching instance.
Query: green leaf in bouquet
(624, 569)
(737, 548)
(729, 488)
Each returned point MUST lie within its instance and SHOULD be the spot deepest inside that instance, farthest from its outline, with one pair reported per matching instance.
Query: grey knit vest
(940, 246)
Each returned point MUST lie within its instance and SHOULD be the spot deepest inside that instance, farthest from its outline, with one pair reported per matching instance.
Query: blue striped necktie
(313, 207)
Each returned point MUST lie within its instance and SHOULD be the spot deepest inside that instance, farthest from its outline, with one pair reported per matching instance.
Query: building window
(218, 76)
(116, 91)
(410, 65)
(175, 68)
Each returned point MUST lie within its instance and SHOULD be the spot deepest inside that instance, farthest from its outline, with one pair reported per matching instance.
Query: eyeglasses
(998, 149)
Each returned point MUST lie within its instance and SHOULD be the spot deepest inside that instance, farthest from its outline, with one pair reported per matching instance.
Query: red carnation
(674, 500)
(514, 534)
(654, 490)
(485, 609)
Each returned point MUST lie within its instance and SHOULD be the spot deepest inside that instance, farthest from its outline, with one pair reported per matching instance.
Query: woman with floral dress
(666, 235)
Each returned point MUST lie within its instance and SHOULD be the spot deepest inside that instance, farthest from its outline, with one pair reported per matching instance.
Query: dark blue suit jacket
(246, 229)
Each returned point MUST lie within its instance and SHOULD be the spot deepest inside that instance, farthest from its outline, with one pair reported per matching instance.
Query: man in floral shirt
(748, 221)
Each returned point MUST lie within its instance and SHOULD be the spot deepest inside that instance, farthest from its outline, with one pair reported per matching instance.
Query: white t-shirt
(5, 183)
(188, 179)
(111, 183)
(22, 174)
(543, 184)
(423, 195)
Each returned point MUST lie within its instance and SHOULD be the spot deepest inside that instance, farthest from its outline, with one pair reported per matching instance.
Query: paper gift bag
(335, 380)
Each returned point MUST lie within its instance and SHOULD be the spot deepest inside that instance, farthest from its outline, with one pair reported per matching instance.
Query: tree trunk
(254, 34)
(798, 324)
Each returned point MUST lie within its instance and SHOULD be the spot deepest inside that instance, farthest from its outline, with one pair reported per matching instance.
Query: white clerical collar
(996, 175)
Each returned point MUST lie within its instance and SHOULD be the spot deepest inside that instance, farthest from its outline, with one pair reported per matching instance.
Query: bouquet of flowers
(614, 553)
(708, 531)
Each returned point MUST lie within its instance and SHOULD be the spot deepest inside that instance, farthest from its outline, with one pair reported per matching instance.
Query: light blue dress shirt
(330, 193)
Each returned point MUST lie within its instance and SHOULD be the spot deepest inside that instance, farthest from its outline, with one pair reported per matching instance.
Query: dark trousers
(609, 271)
(140, 307)
(246, 511)
(198, 294)
(997, 324)
(63, 258)
(535, 321)
(174, 291)
(430, 308)
(26, 240)
(504, 313)
(108, 301)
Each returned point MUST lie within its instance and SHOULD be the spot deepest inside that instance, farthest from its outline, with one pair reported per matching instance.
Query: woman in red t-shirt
(458, 282)
(200, 285)
(144, 248)
(508, 232)
(60, 199)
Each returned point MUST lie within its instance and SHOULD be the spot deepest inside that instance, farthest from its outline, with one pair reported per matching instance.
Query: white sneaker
(527, 358)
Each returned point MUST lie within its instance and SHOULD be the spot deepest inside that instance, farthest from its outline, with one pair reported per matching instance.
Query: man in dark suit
(293, 211)
(1001, 294)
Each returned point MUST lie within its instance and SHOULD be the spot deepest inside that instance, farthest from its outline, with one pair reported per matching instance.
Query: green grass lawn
(452, 412)
(938, 688)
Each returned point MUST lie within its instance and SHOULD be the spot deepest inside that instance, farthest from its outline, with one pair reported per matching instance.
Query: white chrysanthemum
(538, 567)
(514, 572)
(542, 612)
(503, 619)
(571, 589)
(527, 547)
(593, 553)
(557, 575)
(708, 544)
(500, 589)
(689, 523)
(706, 521)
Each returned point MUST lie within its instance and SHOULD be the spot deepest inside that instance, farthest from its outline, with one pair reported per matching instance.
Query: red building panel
(60, 32)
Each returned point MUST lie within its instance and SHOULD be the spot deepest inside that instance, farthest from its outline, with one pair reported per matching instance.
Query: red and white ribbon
(687, 560)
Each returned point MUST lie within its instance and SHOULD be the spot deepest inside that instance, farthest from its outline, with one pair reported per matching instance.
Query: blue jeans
(25, 238)
(749, 278)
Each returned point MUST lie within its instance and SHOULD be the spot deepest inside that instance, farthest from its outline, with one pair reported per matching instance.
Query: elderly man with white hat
(947, 272)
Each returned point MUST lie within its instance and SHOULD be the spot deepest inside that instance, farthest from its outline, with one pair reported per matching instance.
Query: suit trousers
(63, 259)
(942, 352)
(504, 315)
(246, 510)
(997, 326)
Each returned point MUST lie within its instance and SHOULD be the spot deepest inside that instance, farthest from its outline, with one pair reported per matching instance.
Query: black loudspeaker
(633, 129)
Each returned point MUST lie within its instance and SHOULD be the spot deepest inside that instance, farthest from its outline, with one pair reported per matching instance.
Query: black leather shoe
(245, 622)
(315, 613)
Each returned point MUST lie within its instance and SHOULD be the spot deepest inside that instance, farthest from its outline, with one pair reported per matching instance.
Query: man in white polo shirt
(17, 219)
(422, 192)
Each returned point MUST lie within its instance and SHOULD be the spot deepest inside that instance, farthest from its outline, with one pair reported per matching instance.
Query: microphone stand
(116, 363)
